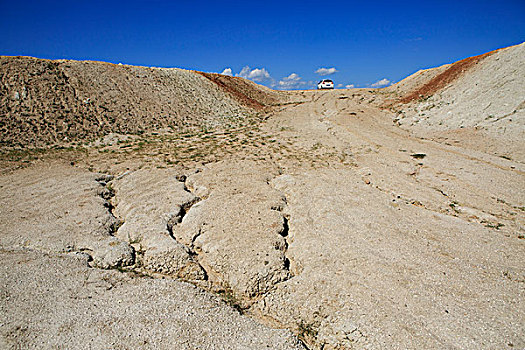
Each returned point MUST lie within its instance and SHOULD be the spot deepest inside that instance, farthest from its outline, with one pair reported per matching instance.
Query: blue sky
(282, 42)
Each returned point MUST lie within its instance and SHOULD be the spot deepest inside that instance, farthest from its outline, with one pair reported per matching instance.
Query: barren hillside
(44, 102)
(482, 95)
(343, 219)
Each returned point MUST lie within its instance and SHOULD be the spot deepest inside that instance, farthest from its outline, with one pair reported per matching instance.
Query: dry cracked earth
(319, 224)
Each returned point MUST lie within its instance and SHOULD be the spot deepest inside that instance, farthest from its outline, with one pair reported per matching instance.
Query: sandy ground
(414, 245)
(337, 225)
(54, 224)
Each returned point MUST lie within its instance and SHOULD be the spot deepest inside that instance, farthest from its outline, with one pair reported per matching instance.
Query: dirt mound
(414, 82)
(46, 102)
(445, 78)
(482, 93)
(244, 91)
(427, 82)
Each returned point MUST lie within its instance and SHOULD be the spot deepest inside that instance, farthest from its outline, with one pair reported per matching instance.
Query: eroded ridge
(53, 220)
(196, 229)
(238, 231)
(151, 202)
(110, 252)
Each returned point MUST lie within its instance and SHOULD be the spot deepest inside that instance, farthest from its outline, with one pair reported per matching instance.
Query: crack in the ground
(453, 209)
(194, 238)
(306, 332)
(177, 219)
(286, 228)
(110, 252)
(184, 208)
(241, 304)
(137, 265)
(107, 192)
(283, 232)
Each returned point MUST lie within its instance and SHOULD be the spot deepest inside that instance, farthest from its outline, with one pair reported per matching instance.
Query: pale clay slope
(490, 96)
(51, 301)
(370, 248)
(150, 203)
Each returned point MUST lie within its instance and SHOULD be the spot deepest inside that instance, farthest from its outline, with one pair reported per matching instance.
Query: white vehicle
(325, 84)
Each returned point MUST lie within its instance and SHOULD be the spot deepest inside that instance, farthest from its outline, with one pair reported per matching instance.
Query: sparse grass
(454, 206)
(230, 298)
(24, 154)
(307, 331)
(494, 225)
(115, 226)
(134, 241)
(18, 158)
(243, 138)
(316, 146)
(110, 188)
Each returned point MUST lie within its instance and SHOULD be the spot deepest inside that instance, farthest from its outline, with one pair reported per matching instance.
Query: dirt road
(417, 244)
(337, 225)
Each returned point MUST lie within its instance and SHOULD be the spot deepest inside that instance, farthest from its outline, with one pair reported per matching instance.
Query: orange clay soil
(241, 90)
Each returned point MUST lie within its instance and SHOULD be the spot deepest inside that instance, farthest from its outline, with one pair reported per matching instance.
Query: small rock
(112, 253)
(418, 155)
(165, 255)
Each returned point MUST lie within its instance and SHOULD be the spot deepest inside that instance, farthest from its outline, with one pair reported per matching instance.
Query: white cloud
(293, 81)
(256, 74)
(348, 86)
(326, 71)
(227, 71)
(381, 83)
(293, 77)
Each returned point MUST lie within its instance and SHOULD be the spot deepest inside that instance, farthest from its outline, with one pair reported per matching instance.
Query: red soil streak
(235, 86)
(445, 78)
